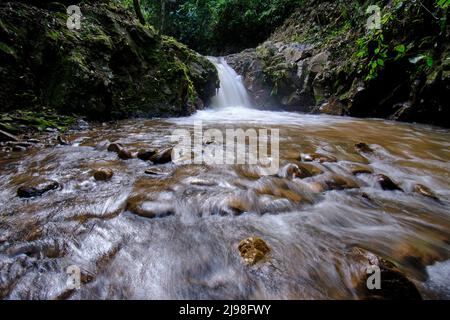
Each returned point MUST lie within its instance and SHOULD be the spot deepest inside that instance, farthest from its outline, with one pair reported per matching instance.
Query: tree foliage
(219, 26)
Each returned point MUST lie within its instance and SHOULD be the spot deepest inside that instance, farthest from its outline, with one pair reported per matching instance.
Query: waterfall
(232, 92)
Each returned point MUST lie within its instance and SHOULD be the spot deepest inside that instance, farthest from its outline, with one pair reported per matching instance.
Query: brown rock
(363, 147)
(103, 174)
(253, 250)
(424, 191)
(150, 209)
(394, 285)
(317, 157)
(162, 156)
(115, 147)
(360, 169)
(125, 154)
(62, 140)
(386, 183)
(146, 155)
(340, 182)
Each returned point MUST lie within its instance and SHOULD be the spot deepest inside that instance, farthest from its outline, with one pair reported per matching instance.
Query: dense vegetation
(220, 26)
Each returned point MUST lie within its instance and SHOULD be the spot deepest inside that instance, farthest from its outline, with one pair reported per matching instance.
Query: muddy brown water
(189, 249)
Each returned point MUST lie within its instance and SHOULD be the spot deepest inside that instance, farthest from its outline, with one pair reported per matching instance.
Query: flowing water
(189, 249)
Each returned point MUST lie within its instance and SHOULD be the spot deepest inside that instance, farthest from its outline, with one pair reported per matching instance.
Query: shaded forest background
(217, 27)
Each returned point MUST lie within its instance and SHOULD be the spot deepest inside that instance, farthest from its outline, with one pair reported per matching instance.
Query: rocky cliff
(113, 67)
(324, 59)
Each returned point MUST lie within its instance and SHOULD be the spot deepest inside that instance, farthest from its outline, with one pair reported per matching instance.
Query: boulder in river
(340, 182)
(386, 183)
(162, 156)
(37, 190)
(253, 250)
(317, 157)
(424, 191)
(150, 209)
(123, 153)
(146, 155)
(103, 174)
(363, 147)
(394, 285)
(62, 140)
(357, 169)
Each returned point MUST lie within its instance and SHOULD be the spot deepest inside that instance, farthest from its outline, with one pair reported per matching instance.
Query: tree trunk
(137, 8)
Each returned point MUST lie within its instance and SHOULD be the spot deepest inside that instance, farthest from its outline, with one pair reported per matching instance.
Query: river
(188, 250)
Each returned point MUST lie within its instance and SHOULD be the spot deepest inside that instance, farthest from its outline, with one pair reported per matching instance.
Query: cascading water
(232, 92)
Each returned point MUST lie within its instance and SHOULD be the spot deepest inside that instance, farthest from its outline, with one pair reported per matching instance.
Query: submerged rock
(103, 174)
(150, 209)
(253, 250)
(338, 182)
(37, 190)
(363, 147)
(424, 191)
(386, 183)
(360, 169)
(292, 171)
(317, 157)
(394, 285)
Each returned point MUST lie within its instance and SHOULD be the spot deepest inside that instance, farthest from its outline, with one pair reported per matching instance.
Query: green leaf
(380, 62)
(400, 48)
(429, 61)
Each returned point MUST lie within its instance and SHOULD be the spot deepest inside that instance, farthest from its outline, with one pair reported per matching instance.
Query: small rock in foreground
(253, 250)
(103, 174)
(37, 191)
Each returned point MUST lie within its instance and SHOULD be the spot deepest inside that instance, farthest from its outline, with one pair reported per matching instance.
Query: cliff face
(113, 67)
(324, 59)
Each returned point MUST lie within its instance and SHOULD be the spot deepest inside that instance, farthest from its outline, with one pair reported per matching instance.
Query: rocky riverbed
(349, 194)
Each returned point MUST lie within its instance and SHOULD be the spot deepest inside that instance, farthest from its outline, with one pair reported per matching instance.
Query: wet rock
(203, 182)
(146, 155)
(386, 183)
(5, 136)
(337, 182)
(125, 154)
(332, 107)
(317, 157)
(360, 169)
(38, 190)
(237, 205)
(253, 250)
(120, 150)
(424, 191)
(150, 209)
(62, 140)
(394, 285)
(103, 174)
(292, 171)
(115, 147)
(363, 147)
(162, 156)
(156, 172)
(317, 187)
